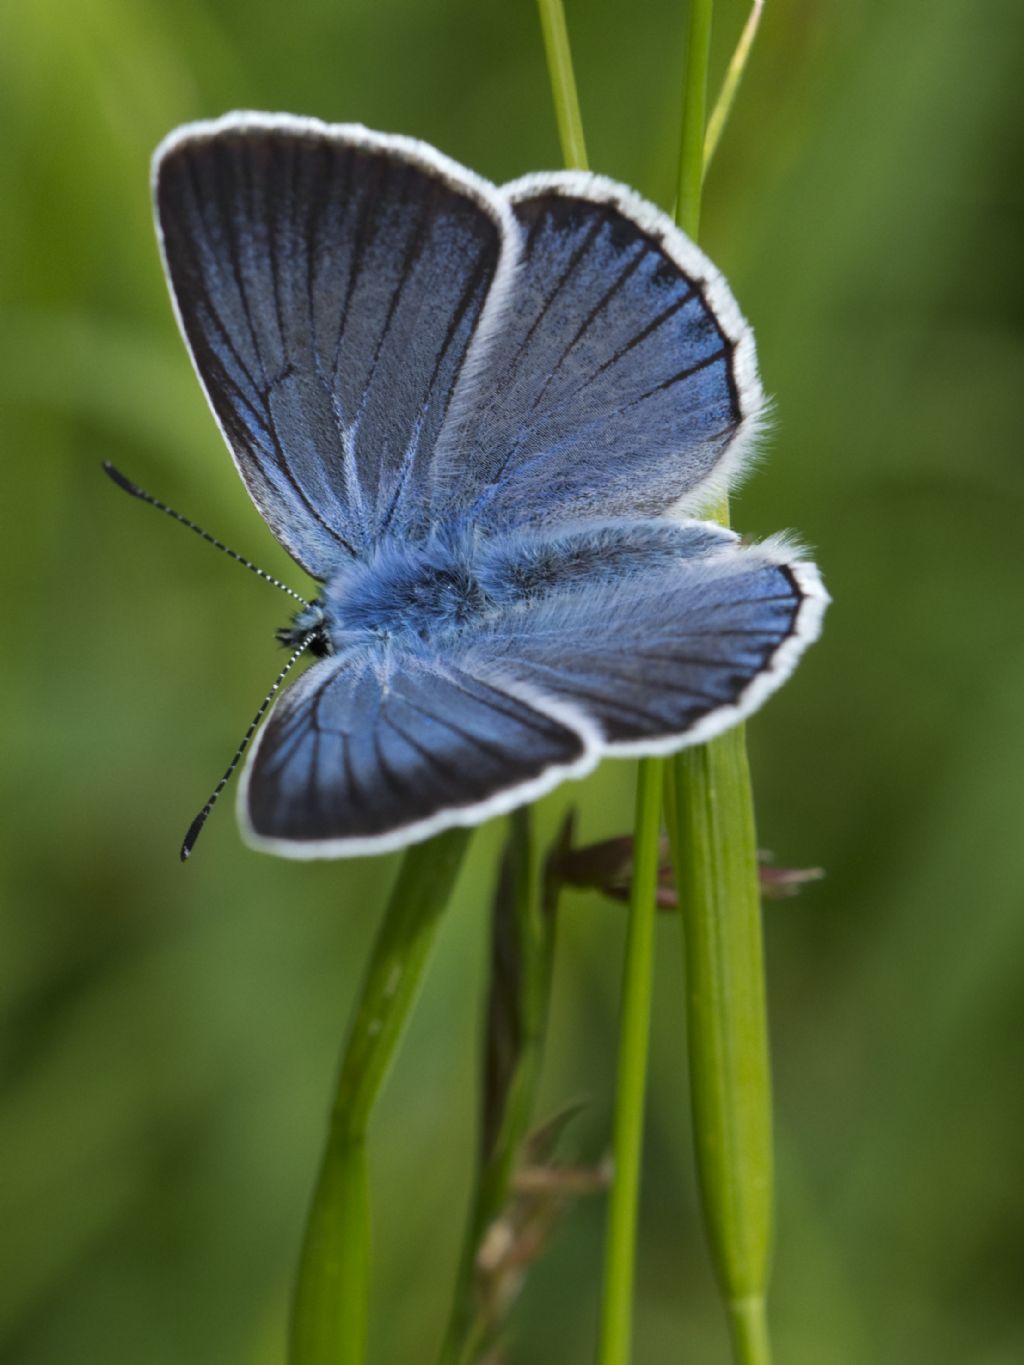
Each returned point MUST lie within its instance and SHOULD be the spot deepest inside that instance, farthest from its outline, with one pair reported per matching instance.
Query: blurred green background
(170, 1033)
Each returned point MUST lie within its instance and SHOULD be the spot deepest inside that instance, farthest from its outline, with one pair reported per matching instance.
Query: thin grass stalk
(714, 847)
(522, 957)
(563, 84)
(329, 1313)
(715, 857)
(733, 76)
(616, 1323)
(615, 1328)
(690, 182)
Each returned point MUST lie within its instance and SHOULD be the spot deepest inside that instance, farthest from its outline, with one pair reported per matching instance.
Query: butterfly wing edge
(475, 813)
(785, 552)
(754, 405)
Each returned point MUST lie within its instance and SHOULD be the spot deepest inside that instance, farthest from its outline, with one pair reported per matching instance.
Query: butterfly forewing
(329, 283)
(622, 382)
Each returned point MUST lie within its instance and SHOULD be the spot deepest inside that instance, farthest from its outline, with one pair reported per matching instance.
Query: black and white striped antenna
(136, 492)
(197, 824)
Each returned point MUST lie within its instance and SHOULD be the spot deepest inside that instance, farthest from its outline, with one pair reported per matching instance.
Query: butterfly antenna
(197, 824)
(137, 492)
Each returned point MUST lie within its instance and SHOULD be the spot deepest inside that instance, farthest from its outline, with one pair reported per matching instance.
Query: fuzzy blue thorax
(406, 591)
(415, 591)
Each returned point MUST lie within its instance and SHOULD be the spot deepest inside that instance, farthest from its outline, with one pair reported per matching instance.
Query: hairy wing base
(381, 748)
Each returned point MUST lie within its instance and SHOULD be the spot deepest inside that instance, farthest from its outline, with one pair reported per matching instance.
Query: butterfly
(484, 419)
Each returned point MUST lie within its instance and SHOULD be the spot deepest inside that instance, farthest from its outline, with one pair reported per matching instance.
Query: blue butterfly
(482, 419)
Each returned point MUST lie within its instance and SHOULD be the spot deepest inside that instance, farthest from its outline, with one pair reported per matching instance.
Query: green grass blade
(733, 76)
(522, 946)
(620, 1249)
(563, 83)
(716, 870)
(329, 1315)
(616, 1324)
(715, 857)
(695, 94)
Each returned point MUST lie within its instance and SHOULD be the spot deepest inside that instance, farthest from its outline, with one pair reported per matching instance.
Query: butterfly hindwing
(662, 656)
(368, 751)
(621, 638)
(623, 380)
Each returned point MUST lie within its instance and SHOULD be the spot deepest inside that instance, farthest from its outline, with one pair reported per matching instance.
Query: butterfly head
(308, 624)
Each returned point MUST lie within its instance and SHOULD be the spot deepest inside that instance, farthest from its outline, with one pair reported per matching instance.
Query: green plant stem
(615, 1333)
(563, 83)
(714, 848)
(533, 933)
(731, 83)
(522, 952)
(615, 1329)
(695, 94)
(329, 1315)
(715, 851)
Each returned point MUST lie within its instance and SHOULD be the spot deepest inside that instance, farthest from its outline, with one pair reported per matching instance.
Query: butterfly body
(482, 419)
(430, 592)
(405, 590)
